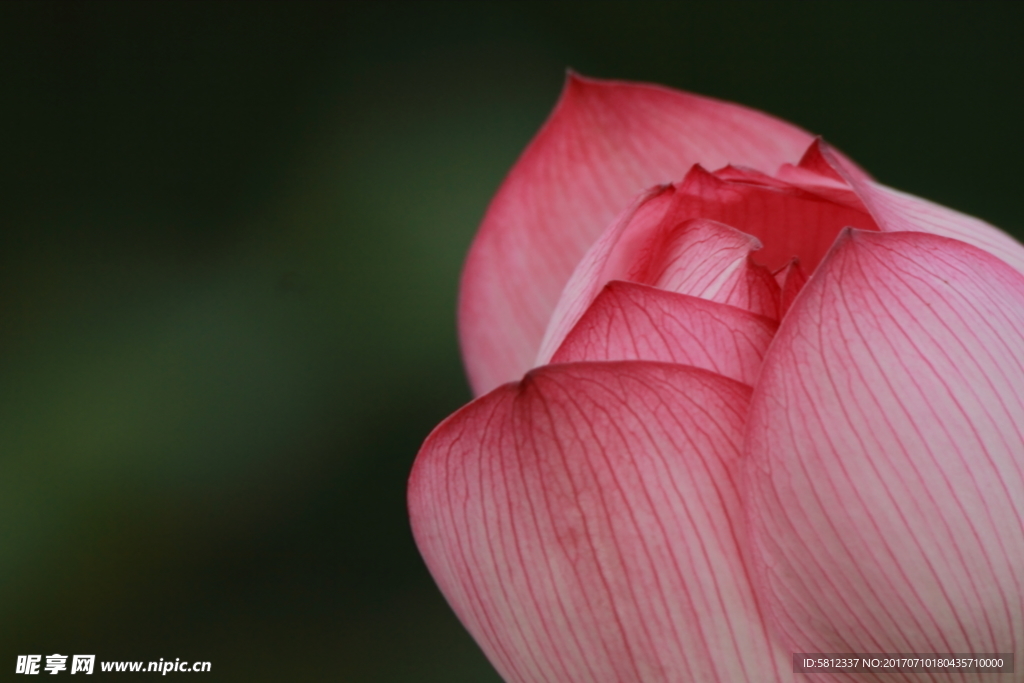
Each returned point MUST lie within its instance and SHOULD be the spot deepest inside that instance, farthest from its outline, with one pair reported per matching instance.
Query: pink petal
(739, 174)
(791, 280)
(788, 221)
(585, 526)
(810, 175)
(654, 242)
(653, 245)
(886, 452)
(896, 211)
(818, 160)
(628, 321)
(816, 174)
(604, 143)
(708, 260)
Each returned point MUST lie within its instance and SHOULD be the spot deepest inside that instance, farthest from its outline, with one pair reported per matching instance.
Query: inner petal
(649, 245)
(628, 321)
(708, 260)
(791, 221)
(791, 279)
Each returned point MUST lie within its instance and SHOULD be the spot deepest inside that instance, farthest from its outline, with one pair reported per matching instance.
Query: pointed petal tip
(815, 159)
(848, 236)
(574, 81)
(699, 174)
(581, 88)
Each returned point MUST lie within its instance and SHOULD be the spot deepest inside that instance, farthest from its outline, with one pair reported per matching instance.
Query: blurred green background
(230, 239)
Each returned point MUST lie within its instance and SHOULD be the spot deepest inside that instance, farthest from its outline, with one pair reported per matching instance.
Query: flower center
(735, 237)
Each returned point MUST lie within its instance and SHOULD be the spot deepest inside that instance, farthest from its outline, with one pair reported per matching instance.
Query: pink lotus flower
(771, 408)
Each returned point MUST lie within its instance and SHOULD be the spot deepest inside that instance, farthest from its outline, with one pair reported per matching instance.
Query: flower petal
(655, 246)
(791, 280)
(709, 260)
(897, 211)
(886, 453)
(605, 142)
(628, 321)
(790, 221)
(585, 526)
(815, 173)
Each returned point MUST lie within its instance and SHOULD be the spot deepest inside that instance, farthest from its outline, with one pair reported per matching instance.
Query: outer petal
(886, 479)
(585, 526)
(604, 143)
(628, 321)
(896, 211)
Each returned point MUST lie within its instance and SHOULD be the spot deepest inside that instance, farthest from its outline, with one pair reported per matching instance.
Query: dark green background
(230, 237)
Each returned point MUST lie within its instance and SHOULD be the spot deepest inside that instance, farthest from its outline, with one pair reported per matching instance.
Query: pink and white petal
(886, 453)
(628, 321)
(897, 211)
(585, 526)
(604, 142)
(653, 246)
